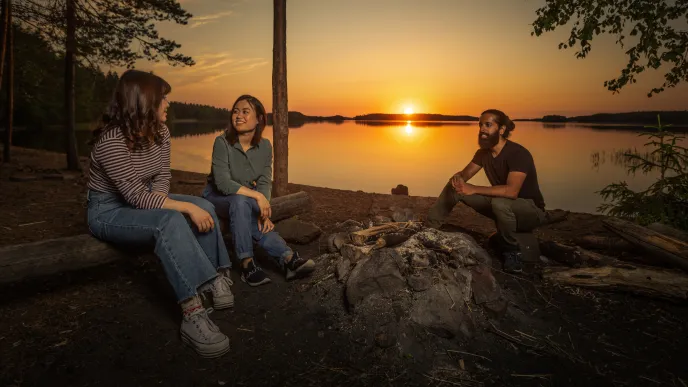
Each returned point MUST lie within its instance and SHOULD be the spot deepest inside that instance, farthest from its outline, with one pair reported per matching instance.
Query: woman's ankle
(191, 306)
(245, 262)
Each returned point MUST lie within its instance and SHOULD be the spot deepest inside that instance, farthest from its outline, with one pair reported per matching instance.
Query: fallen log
(18, 262)
(53, 256)
(671, 250)
(623, 277)
(596, 242)
(360, 238)
(669, 231)
(573, 256)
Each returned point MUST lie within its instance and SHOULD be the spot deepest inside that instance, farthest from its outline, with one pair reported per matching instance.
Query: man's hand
(265, 225)
(461, 187)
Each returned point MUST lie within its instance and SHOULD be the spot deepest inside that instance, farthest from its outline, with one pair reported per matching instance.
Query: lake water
(573, 161)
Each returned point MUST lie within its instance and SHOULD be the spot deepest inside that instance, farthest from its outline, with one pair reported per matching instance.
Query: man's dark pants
(510, 215)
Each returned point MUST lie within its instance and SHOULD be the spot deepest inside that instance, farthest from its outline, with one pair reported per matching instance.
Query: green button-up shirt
(233, 168)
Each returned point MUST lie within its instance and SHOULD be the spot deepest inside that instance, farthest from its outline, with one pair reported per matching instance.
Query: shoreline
(52, 208)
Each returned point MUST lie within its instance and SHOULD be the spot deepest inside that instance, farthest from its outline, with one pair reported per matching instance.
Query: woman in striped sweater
(129, 204)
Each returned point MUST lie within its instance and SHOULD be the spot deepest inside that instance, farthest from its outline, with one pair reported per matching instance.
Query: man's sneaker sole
(302, 271)
(265, 281)
(211, 351)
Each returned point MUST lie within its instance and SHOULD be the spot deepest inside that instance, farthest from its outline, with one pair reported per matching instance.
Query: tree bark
(636, 279)
(280, 111)
(3, 31)
(70, 93)
(8, 45)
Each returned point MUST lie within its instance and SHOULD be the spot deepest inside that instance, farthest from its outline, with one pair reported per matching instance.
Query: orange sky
(439, 56)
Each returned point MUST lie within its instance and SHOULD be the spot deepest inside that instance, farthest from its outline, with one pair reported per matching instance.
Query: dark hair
(502, 120)
(134, 109)
(262, 118)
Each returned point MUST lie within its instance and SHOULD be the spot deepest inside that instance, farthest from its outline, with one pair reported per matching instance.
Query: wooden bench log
(624, 277)
(48, 257)
(18, 262)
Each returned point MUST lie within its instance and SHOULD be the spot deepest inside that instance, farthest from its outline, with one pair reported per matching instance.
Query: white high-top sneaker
(201, 334)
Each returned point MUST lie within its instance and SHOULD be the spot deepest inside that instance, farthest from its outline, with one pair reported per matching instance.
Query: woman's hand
(264, 205)
(265, 225)
(201, 218)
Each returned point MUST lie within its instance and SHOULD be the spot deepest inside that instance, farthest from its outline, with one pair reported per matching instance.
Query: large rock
(377, 274)
(355, 253)
(296, 231)
(400, 190)
(456, 248)
(441, 310)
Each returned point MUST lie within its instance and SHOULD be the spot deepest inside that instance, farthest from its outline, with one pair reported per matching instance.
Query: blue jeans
(190, 258)
(242, 212)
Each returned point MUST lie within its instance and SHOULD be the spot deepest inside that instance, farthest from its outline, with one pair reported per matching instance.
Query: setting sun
(408, 110)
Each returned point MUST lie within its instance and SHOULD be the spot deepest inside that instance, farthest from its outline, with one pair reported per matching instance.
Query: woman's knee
(239, 205)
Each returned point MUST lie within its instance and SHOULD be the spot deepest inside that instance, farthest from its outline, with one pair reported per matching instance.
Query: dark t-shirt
(513, 157)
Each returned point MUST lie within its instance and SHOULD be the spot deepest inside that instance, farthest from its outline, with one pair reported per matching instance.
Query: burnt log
(361, 237)
(573, 256)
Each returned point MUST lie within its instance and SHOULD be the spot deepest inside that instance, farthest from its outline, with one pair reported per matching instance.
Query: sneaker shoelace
(253, 271)
(223, 284)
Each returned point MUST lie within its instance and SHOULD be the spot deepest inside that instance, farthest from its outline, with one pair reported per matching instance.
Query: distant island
(676, 118)
(192, 113)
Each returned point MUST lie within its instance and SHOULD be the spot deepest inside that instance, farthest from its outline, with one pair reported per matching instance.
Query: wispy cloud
(198, 21)
(209, 68)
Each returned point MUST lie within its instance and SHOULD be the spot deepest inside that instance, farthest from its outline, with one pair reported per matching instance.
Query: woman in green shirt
(240, 186)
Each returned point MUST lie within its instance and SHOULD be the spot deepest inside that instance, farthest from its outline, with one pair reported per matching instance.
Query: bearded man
(513, 200)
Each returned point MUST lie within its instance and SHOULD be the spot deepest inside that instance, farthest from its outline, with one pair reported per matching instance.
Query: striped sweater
(132, 174)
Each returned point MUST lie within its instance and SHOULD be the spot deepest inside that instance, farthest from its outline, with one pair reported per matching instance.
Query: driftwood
(360, 238)
(573, 256)
(671, 250)
(596, 242)
(623, 277)
(669, 231)
(47, 257)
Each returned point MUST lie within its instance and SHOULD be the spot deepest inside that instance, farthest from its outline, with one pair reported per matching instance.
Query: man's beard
(488, 142)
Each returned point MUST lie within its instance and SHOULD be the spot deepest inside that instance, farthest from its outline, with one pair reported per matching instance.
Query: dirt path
(116, 325)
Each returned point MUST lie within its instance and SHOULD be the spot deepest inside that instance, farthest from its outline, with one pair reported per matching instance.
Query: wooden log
(636, 279)
(596, 242)
(669, 231)
(286, 206)
(360, 238)
(671, 250)
(573, 256)
(52, 256)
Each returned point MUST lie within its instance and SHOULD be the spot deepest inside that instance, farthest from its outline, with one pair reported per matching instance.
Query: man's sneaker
(298, 267)
(203, 336)
(221, 292)
(512, 262)
(254, 275)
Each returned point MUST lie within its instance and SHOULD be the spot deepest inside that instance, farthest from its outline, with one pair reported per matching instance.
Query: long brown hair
(502, 120)
(134, 109)
(262, 118)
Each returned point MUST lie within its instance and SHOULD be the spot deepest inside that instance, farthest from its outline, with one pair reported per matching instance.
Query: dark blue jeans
(243, 212)
(190, 258)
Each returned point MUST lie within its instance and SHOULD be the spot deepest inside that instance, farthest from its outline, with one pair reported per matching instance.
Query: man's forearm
(502, 191)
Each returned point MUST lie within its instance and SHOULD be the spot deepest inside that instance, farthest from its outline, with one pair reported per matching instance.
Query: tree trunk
(70, 94)
(280, 111)
(3, 31)
(9, 110)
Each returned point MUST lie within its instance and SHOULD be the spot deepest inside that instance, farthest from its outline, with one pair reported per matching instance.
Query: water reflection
(376, 156)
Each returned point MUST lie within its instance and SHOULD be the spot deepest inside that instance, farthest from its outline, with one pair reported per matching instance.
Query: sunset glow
(437, 54)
